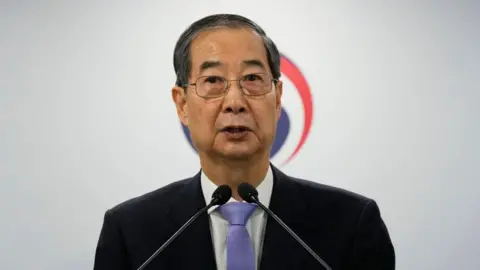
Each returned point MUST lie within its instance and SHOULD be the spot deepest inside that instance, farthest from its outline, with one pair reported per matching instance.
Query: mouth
(235, 129)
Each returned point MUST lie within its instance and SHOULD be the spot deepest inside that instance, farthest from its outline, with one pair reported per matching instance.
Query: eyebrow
(254, 63)
(211, 64)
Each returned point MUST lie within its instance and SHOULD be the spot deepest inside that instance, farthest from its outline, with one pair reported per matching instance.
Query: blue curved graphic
(283, 129)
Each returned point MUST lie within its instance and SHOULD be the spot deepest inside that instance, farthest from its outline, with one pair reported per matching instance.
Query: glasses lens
(256, 84)
(210, 86)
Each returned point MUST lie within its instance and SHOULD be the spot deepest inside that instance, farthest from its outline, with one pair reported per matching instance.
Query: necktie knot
(237, 213)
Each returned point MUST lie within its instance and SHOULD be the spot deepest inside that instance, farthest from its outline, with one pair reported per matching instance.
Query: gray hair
(182, 57)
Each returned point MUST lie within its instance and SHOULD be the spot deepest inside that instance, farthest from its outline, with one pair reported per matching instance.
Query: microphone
(220, 196)
(250, 195)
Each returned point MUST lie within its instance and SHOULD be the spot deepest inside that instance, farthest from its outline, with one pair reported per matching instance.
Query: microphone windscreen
(222, 194)
(247, 192)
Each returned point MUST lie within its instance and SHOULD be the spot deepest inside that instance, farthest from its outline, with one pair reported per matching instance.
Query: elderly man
(228, 93)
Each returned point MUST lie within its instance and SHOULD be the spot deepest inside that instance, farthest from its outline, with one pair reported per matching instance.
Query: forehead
(229, 46)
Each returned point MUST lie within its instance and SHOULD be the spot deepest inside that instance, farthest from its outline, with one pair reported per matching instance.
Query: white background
(86, 118)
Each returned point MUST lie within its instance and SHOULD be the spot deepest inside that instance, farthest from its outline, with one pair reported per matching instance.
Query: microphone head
(221, 195)
(247, 192)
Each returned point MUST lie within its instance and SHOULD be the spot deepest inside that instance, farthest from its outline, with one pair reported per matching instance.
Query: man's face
(235, 125)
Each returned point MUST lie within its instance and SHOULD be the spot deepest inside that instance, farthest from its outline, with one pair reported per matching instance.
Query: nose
(234, 100)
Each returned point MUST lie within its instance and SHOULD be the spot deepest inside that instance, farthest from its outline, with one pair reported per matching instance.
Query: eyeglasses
(256, 84)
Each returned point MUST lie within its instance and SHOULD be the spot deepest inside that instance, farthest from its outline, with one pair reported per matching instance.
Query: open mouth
(236, 129)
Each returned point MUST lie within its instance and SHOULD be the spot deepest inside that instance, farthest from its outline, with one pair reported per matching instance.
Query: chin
(238, 153)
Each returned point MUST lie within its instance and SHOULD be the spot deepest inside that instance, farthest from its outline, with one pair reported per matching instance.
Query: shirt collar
(264, 189)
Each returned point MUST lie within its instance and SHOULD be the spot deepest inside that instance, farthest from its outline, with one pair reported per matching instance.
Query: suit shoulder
(159, 198)
(314, 191)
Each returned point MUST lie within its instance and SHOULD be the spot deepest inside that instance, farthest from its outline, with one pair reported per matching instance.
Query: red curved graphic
(289, 69)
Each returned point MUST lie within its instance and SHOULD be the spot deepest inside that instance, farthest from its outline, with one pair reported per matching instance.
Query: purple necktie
(240, 254)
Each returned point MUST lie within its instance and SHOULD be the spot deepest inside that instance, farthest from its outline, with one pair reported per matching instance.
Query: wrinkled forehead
(229, 50)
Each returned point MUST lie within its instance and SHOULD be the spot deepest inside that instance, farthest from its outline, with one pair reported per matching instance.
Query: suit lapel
(280, 250)
(194, 248)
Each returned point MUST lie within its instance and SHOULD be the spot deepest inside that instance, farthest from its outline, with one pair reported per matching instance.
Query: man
(228, 93)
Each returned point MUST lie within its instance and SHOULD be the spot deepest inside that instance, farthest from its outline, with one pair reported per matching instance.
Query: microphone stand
(175, 235)
(294, 235)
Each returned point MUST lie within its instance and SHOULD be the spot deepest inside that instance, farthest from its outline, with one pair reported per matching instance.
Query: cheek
(266, 115)
(201, 118)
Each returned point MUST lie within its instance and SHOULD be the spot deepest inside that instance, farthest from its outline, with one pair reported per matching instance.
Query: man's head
(228, 91)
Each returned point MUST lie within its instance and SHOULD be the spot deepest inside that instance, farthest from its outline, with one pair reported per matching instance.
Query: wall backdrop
(380, 98)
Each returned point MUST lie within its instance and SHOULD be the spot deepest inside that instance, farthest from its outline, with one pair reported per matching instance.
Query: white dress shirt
(255, 224)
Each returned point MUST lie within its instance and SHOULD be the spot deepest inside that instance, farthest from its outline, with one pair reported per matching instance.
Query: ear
(179, 97)
(278, 98)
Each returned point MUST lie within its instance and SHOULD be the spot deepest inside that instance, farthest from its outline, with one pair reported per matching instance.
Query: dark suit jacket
(343, 228)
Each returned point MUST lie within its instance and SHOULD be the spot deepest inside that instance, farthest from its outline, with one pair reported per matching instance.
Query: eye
(213, 80)
(252, 77)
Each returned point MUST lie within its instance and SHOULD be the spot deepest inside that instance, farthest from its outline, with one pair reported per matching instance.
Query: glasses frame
(228, 85)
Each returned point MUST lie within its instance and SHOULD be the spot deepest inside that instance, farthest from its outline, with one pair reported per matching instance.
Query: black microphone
(250, 195)
(220, 196)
